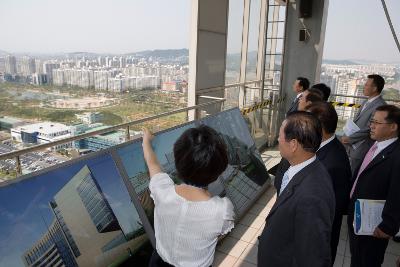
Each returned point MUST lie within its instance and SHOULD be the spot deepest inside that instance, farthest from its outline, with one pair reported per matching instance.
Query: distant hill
(3, 53)
(162, 53)
(339, 62)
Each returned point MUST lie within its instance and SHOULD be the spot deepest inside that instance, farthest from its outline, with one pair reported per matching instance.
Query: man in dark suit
(378, 178)
(299, 86)
(333, 156)
(298, 227)
(324, 89)
(357, 144)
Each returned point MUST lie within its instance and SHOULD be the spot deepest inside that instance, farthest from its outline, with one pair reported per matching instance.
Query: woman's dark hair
(305, 128)
(200, 156)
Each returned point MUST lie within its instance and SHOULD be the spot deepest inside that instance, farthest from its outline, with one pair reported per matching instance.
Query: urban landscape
(48, 98)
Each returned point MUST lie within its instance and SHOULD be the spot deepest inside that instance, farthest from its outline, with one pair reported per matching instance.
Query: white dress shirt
(369, 101)
(187, 231)
(293, 170)
(327, 141)
(383, 144)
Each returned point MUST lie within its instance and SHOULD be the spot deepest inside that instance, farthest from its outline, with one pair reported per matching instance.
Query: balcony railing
(260, 128)
(263, 121)
(126, 126)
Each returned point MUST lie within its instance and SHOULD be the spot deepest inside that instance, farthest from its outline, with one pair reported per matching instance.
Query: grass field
(134, 105)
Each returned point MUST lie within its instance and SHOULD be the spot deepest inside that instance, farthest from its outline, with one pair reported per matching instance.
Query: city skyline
(364, 36)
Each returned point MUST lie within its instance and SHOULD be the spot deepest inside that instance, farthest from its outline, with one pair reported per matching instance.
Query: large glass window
(234, 42)
(252, 48)
(73, 67)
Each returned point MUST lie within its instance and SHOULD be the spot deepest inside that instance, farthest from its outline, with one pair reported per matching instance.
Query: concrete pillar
(303, 58)
(207, 52)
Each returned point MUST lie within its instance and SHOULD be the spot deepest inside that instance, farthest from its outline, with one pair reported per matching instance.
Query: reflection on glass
(241, 181)
(77, 215)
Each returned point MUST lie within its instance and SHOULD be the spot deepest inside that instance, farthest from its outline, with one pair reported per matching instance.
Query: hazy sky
(116, 26)
(356, 29)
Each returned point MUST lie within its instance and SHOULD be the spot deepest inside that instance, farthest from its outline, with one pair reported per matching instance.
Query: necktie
(285, 181)
(368, 158)
(365, 106)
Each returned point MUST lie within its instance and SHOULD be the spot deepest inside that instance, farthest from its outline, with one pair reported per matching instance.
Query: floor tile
(341, 248)
(223, 260)
(244, 233)
(393, 248)
(243, 263)
(232, 246)
(343, 235)
(390, 260)
(346, 262)
(338, 261)
(250, 254)
(254, 240)
(253, 221)
(260, 210)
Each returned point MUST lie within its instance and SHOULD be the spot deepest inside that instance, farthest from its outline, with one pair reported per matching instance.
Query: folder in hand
(367, 216)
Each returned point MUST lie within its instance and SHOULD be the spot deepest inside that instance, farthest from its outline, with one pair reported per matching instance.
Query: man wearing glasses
(378, 178)
(357, 144)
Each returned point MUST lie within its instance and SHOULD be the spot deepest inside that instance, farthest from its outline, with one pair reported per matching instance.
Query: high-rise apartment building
(11, 65)
(48, 68)
(28, 66)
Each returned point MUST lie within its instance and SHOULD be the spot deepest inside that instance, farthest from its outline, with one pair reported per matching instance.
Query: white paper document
(350, 127)
(367, 216)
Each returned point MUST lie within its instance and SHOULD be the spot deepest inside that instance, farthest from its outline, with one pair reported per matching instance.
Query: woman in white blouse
(187, 219)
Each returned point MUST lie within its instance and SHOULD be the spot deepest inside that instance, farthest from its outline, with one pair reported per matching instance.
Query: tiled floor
(239, 248)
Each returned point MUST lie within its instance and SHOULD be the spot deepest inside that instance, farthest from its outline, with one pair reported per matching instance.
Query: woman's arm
(149, 155)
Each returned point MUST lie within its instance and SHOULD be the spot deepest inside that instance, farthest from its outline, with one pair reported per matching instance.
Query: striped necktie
(285, 181)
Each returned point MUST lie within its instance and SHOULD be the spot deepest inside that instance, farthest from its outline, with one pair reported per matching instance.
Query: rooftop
(45, 127)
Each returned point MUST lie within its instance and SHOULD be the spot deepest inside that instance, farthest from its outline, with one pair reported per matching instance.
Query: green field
(132, 106)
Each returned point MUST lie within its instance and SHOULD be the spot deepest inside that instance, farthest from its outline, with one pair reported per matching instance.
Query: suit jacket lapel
(289, 190)
(360, 110)
(323, 151)
(368, 107)
(383, 155)
(294, 104)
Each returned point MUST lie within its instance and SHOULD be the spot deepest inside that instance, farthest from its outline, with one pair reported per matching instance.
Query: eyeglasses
(378, 123)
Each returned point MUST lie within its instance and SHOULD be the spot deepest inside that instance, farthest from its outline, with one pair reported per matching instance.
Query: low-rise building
(42, 133)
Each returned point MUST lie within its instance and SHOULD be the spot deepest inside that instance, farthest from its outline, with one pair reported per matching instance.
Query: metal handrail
(20, 152)
(364, 97)
(212, 89)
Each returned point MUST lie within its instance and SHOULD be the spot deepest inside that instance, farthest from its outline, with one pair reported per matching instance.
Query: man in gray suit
(358, 143)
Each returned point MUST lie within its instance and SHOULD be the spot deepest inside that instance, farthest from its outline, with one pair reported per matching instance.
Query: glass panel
(252, 49)
(89, 74)
(241, 181)
(234, 42)
(49, 215)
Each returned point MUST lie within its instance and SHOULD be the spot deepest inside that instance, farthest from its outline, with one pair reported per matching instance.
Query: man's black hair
(305, 128)
(304, 82)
